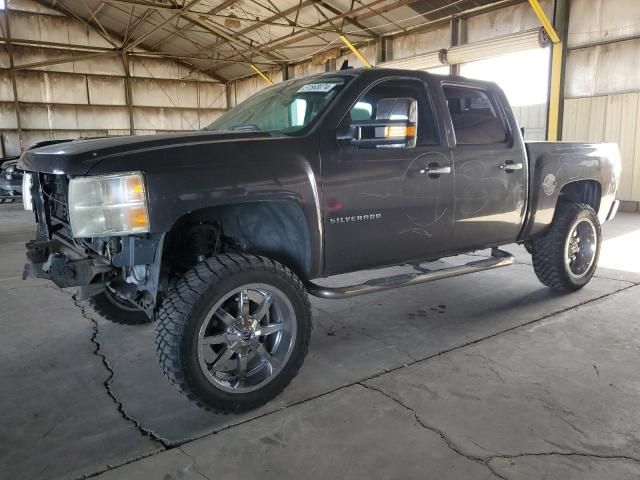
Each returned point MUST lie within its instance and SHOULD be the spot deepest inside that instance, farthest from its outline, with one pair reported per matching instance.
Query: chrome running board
(499, 258)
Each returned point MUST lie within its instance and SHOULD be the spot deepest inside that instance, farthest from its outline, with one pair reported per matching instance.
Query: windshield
(285, 108)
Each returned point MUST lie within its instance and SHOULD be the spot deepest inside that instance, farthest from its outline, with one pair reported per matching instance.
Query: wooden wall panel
(597, 119)
(636, 163)
(569, 119)
(610, 118)
(583, 115)
(534, 120)
(627, 142)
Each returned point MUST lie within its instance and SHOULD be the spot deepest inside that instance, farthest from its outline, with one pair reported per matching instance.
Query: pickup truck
(219, 235)
(10, 180)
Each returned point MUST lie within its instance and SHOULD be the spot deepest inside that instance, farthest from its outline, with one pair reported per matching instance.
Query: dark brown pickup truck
(218, 235)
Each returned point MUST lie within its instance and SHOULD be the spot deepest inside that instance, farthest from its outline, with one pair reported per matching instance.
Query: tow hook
(62, 264)
(58, 266)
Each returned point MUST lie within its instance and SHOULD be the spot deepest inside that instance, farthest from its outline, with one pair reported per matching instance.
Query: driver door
(386, 203)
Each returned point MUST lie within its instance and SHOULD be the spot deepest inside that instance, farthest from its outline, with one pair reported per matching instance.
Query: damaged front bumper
(67, 266)
(128, 265)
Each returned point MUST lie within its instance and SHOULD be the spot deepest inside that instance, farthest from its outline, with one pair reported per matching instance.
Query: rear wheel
(233, 332)
(118, 310)
(567, 256)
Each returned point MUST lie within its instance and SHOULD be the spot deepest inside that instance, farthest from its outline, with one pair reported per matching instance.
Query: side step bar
(499, 258)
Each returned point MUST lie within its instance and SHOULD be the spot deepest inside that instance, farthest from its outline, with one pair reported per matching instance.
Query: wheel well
(275, 229)
(583, 191)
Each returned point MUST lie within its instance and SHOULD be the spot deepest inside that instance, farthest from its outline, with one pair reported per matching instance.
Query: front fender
(186, 178)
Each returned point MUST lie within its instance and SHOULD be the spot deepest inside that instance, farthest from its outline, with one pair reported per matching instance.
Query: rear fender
(587, 173)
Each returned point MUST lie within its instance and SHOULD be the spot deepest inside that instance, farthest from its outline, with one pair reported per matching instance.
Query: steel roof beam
(295, 37)
(347, 18)
(214, 10)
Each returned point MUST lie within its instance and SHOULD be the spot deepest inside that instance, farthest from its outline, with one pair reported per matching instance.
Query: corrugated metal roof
(223, 37)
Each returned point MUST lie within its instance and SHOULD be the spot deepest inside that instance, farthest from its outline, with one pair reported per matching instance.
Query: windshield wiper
(249, 127)
(245, 127)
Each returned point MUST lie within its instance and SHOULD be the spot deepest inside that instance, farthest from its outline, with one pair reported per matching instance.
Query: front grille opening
(55, 189)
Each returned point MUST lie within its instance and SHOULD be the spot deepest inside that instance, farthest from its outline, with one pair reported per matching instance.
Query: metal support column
(558, 66)
(330, 65)
(458, 28)
(127, 91)
(14, 83)
(384, 49)
(228, 89)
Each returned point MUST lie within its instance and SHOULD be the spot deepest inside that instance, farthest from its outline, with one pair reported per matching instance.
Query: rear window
(474, 116)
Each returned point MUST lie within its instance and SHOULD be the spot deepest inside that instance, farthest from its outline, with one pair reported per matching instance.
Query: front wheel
(119, 310)
(233, 332)
(567, 256)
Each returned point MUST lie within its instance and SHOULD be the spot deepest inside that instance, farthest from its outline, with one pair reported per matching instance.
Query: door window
(399, 100)
(474, 116)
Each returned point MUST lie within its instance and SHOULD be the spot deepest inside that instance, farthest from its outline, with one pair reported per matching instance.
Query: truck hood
(78, 157)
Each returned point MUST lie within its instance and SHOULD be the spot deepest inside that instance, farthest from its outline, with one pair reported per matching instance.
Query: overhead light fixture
(232, 22)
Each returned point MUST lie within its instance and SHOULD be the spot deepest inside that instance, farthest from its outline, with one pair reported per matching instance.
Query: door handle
(435, 170)
(511, 167)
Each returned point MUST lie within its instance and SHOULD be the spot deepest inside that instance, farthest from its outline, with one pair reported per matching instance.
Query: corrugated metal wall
(88, 98)
(602, 99)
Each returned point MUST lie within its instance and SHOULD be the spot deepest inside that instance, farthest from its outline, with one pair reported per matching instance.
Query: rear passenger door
(490, 173)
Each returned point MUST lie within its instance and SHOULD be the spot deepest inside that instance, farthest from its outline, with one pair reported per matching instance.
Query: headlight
(108, 205)
(27, 199)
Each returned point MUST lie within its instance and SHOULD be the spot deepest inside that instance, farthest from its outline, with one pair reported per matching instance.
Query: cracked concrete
(57, 421)
(323, 438)
(107, 382)
(447, 380)
(490, 460)
(193, 464)
(547, 384)
(492, 421)
(354, 341)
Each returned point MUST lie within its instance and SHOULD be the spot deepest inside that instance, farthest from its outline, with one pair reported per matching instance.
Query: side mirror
(346, 133)
(395, 124)
(380, 134)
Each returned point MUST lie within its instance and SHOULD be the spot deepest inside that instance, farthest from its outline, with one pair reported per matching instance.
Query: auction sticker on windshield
(317, 87)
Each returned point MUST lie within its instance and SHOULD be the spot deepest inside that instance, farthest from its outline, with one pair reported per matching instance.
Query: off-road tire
(548, 251)
(108, 309)
(183, 312)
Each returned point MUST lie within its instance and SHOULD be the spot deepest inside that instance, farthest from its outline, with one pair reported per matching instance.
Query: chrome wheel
(580, 248)
(246, 338)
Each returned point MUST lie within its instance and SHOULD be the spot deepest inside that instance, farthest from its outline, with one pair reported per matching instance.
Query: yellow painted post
(259, 72)
(546, 23)
(355, 51)
(555, 91)
(554, 119)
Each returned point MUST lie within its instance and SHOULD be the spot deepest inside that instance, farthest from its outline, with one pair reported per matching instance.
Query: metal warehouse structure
(74, 68)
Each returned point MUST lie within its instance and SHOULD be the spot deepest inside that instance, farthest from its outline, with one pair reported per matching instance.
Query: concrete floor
(485, 376)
